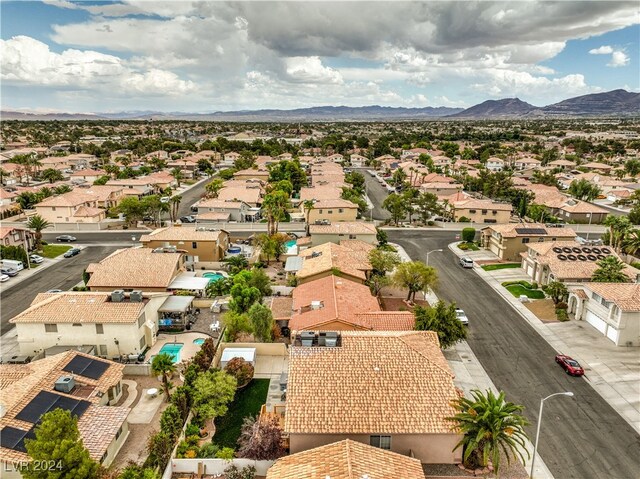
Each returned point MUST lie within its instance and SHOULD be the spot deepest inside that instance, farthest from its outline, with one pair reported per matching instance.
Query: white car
(4, 277)
(462, 316)
(36, 258)
(466, 262)
(165, 199)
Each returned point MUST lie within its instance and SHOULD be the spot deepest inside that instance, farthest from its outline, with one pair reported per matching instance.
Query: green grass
(493, 267)
(247, 402)
(468, 247)
(54, 250)
(523, 288)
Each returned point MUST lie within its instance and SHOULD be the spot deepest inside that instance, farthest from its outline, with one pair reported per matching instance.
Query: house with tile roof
(389, 389)
(327, 304)
(251, 196)
(343, 230)
(480, 211)
(613, 309)
(333, 210)
(73, 207)
(320, 193)
(200, 246)
(110, 325)
(29, 390)
(135, 269)
(508, 241)
(216, 209)
(350, 258)
(12, 236)
(86, 175)
(346, 459)
(566, 261)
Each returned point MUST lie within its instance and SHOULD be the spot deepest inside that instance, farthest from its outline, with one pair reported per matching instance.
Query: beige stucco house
(509, 241)
(200, 246)
(481, 211)
(344, 230)
(73, 207)
(331, 210)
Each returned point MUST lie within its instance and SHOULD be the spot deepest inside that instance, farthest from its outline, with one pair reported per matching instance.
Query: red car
(570, 365)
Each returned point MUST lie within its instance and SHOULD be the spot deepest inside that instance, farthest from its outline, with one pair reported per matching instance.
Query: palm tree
(236, 263)
(214, 187)
(308, 206)
(3, 174)
(610, 270)
(619, 226)
(162, 364)
(631, 243)
(415, 276)
(175, 205)
(275, 206)
(490, 425)
(177, 175)
(37, 223)
(59, 190)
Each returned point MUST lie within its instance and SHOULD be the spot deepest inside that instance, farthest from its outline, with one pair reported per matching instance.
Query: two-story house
(201, 247)
(481, 211)
(217, 210)
(508, 241)
(495, 164)
(73, 207)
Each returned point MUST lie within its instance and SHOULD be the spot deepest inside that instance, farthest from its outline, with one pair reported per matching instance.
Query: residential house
(413, 153)
(481, 211)
(107, 196)
(201, 247)
(576, 211)
(333, 210)
(336, 158)
(12, 236)
(250, 195)
(161, 180)
(214, 210)
(566, 261)
(346, 459)
(595, 166)
(327, 304)
(252, 174)
(72, 207)
(358, 161)
(562, 164)
(72, 381)
(350, 258)
(509, 241)
(134, 186)
(336, 232)
(87, 175)
(135, 269)
(407, 411)
(229, 159)
(611, 308)
(526, 163)
(495, 164)
(319, 193)
(440, 189)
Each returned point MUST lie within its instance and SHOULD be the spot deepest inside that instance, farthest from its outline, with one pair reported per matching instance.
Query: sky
(205, 56)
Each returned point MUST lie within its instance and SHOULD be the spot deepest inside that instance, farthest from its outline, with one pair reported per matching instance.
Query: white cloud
(603, 50)
(618, 59)
(311, 70)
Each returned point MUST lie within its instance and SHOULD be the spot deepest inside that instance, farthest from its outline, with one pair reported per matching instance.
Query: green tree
(619, 226)
(307, 205)
(135, 471)
(557, 291)
(289, 170)
(62, 189)
(213, 187)
(610, 270)
(243, 297)
(468, 234)
(262, 322)
(234, 324)
(37, 224)
(632, 167)
(546, 178)
(271, 246)
(237, 263)
(212, 392)
(584, 190)
(426, 205)
(631, 243)
(171, 421)
(58, 442)
(489, 425)
(175, 206)
(414, 276)
(159, 447)
(102, 180)
(274, 206)
(162, 365)
(51, 175)
(396, 205)
(132, 209)
(381, 237)
(443, 320)
(178, 175)
(634, 215)
(398, 177)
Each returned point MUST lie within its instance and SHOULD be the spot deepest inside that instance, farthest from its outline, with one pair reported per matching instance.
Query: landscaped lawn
(521, 289)
(54, 250)
(247, 402)
(493, 267)
(468, 247)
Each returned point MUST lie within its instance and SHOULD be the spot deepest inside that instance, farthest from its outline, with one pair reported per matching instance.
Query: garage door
(612, 334)
(596, 322)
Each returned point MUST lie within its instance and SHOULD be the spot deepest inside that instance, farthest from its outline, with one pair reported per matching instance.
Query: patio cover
(293, 264)
(176, 304)
(189, 281)
(248, 354)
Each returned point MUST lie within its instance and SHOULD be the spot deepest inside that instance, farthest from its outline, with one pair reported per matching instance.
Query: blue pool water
(173, 350)
(212, 276)
(199, 341)
(290, 243)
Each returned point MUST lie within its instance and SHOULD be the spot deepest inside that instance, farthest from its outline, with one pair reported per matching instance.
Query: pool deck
(188, 349)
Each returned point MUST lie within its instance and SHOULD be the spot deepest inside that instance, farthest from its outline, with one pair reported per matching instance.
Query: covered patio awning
(293, 264)
(189, 281)
(176, 304)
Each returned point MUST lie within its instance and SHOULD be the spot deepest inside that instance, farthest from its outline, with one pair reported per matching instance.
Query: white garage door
(612, 334)
(596, 322)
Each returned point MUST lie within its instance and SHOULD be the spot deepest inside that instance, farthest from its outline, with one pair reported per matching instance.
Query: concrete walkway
(614, 372)
(145, 410)
(132, 392)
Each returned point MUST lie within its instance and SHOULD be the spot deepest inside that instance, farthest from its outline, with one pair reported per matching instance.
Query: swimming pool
(198, 341)
(290, 243)
(213, 276)
(173, 350)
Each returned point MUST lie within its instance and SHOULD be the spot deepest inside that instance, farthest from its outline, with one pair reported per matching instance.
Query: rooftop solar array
(87, 367)
(531, 231)
(47, 401)
(13, 438)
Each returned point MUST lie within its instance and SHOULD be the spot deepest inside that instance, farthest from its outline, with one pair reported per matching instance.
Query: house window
(194, 245)
(77, 324)
(383, 442)
(495, 212)
(320, 211)
(340, 210)
(540, 240)
(118, 433)
(50, 328)
(99, 328)
(525, 240)
(142, 343)
(141, 320)
(484, 212)
(103, 349)
(352, 237)
(472, 211)
(53, 208)
(329, 212)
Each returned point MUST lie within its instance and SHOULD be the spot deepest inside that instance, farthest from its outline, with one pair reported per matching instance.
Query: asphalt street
(190, 196)
(582, 437)
(376, 193)
(63, 275)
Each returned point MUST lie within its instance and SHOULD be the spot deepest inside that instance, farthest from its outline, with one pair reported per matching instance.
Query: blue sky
(208, 56)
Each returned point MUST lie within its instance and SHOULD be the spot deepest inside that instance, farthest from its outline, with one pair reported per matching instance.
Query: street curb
(35, 272)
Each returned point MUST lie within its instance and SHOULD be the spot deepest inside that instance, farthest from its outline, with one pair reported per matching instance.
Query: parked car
(13, 264)
(54, 291)
(466, 262)
(4, 277)
(188, 219)
(36, 258)
(72, 252)
(9, 271)
(66, 238)
(570, 365)
(462, 316)
(165, 199)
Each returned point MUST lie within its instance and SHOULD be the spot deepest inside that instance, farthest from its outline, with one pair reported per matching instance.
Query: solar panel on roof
(13, 438)
(531, 231)
(46, 401)
(87, 367)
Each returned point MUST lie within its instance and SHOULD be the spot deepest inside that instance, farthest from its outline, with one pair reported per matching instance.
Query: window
(53, 208)
(352, 237)
(99, 328)
(495, 212)
(103, 349)
(77, 325)
(383, 442)
(320, 211)
(484, 212)
(329, 212)
(596, 297)
(340, 210)
(50, 328)
(194, 245)
(141, 320)
(118, 433)
(540, 240)
(142, 343)
(472, 211)
(525, 240)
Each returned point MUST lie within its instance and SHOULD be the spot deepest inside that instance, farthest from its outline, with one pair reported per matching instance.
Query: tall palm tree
(490, 425)
(610, 270)
(631, 243)
(3, 175)
(162, 364)
(308, 206)
(37, 223)
(275, 206)
(175, 205)
(619, 226)
(177, 175)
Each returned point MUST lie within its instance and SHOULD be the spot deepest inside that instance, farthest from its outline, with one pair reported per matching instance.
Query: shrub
(468, 234)
(241, 370)
(534, 285)
(171, 421)
(463, 246)
(192, 429)
(44, 243)
(226, 453)
(562, 315)
(635, 264)
(209, 450)
(431, 223)
(232, 472)
(464, 219)
(260, 439)
(562, 305)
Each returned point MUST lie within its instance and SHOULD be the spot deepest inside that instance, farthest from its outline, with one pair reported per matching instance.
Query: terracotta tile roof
(412, 383)
(7, 230)
(88, 172)
(346, 460)
(358, 245)
(625, 295)
(180, 233)
(248, 195)
(72, 198)
(214, 216)
(281, 308)
(327, 256)
(79, 307)
(509, 230)
(344, 227)
(218, 203)
(86, 211)
(319, 193)
(334, 203)
(482, 204)
(386, 320)
(136, 268)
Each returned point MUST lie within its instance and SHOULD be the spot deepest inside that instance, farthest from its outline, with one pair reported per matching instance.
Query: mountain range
(613, 103)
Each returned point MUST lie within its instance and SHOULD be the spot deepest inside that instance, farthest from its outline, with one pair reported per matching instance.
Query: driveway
(582, 437)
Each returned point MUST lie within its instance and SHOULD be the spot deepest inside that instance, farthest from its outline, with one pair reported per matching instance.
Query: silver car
(466, 262)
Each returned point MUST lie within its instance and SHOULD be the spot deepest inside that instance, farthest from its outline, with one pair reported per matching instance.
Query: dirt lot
(544, 309)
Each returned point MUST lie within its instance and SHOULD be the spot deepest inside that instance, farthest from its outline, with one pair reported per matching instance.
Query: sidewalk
(469, 375)
(612, 371)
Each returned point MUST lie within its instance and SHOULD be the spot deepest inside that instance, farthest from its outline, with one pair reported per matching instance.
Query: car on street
(188, 219)
(570, 365)
(66, 238)
(462, 316)
(54, 291)
(36, 258)
(466, 262)
(72, 252)
(4, 277)
(9, 271)
(165, 199)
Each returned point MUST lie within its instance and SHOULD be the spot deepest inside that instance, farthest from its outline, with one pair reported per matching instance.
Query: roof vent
(136, 296)
(316, 305)
(117, 296)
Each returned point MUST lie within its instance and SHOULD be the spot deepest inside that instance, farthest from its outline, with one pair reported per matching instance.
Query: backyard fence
(212, 467)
